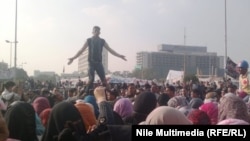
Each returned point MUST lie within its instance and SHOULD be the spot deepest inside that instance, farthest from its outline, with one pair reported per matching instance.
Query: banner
(7, 74)
(231, 69)
(174, 76)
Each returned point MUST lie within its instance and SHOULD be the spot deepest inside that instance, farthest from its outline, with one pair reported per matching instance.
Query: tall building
(3, 66)
(83, 61)
(5, 72)
(190, 59)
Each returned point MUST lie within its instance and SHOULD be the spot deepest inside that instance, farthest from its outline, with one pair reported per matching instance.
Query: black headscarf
(21, 121)
(144, 103)
(65, 123)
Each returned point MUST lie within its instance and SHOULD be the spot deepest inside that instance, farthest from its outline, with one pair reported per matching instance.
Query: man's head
(131, 90)
(243, 67)
(170, 91)
(96, 30)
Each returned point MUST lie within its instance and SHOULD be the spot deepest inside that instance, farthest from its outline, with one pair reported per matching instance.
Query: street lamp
(225, 57)
(15, 42)
(10, 42)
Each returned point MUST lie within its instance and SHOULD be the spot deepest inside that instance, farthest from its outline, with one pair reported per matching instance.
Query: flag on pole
(231, 68)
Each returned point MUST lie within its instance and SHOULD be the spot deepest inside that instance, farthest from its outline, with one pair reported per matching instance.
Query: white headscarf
(165, 115)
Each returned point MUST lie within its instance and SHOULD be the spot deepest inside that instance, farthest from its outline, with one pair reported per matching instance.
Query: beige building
(191, 59)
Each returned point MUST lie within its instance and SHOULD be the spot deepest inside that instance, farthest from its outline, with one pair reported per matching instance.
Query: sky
(51, 31)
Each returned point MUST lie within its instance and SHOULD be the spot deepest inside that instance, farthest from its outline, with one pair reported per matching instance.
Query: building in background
(83, 61)
(5, 72)
(38, 73)
(3, 66)
(190, 59)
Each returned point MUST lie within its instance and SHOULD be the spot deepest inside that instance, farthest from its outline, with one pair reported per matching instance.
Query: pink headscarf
(123, 107)
(242, 94)
(211, 109)
(199, 117)
(40, 103)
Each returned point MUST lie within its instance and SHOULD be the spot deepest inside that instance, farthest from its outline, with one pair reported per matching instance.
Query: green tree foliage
(44, 77)
(21, 75)
(192, 77)
(148, 74)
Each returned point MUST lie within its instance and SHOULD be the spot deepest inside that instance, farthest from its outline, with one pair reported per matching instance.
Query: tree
(21, 75)
(192, 77)
(144, 73)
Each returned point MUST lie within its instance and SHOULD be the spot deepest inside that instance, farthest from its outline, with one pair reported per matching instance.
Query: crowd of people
(37, 111)
(108, 112)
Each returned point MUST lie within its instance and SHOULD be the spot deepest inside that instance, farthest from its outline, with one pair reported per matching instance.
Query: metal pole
(225, 40)
(10, 42)
(10, 53)
(15, 42)
(184, 63)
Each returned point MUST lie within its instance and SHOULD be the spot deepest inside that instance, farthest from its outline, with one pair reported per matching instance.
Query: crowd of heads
(48, 113)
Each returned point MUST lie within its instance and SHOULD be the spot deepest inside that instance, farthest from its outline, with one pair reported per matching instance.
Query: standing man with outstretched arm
(95, 46)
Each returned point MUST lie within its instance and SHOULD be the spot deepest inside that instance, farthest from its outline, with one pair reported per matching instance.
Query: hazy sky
(51, 31)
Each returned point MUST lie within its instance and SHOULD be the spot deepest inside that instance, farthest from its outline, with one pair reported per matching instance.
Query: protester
(95, 46)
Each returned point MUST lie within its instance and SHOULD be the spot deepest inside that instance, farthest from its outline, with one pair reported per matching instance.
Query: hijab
(21, 121)
(165, 115)
(231, 106)
(64, 118)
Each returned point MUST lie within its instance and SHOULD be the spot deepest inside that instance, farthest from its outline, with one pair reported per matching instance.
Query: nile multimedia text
(169, 132)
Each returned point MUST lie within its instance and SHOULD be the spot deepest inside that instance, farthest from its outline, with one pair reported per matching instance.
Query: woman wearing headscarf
(40, 103)
(92, 100)
(21, 121)
(44, 116)
(123, 107)
(64, 120)
(165, 115)
(233, 121)
(211, 110)
(144, 103)
(199, 117)
(232, 107)
(87, 113)
(210, 106)
(178, 102)
(211, 97)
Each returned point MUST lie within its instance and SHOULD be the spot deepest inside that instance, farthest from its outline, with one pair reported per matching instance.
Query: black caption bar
(194, 132)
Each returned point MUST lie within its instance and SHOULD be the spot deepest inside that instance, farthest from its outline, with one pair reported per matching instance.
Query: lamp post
(7, 41)
(15, 43)
(10, 42)
(225, 57)
(184, 57)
